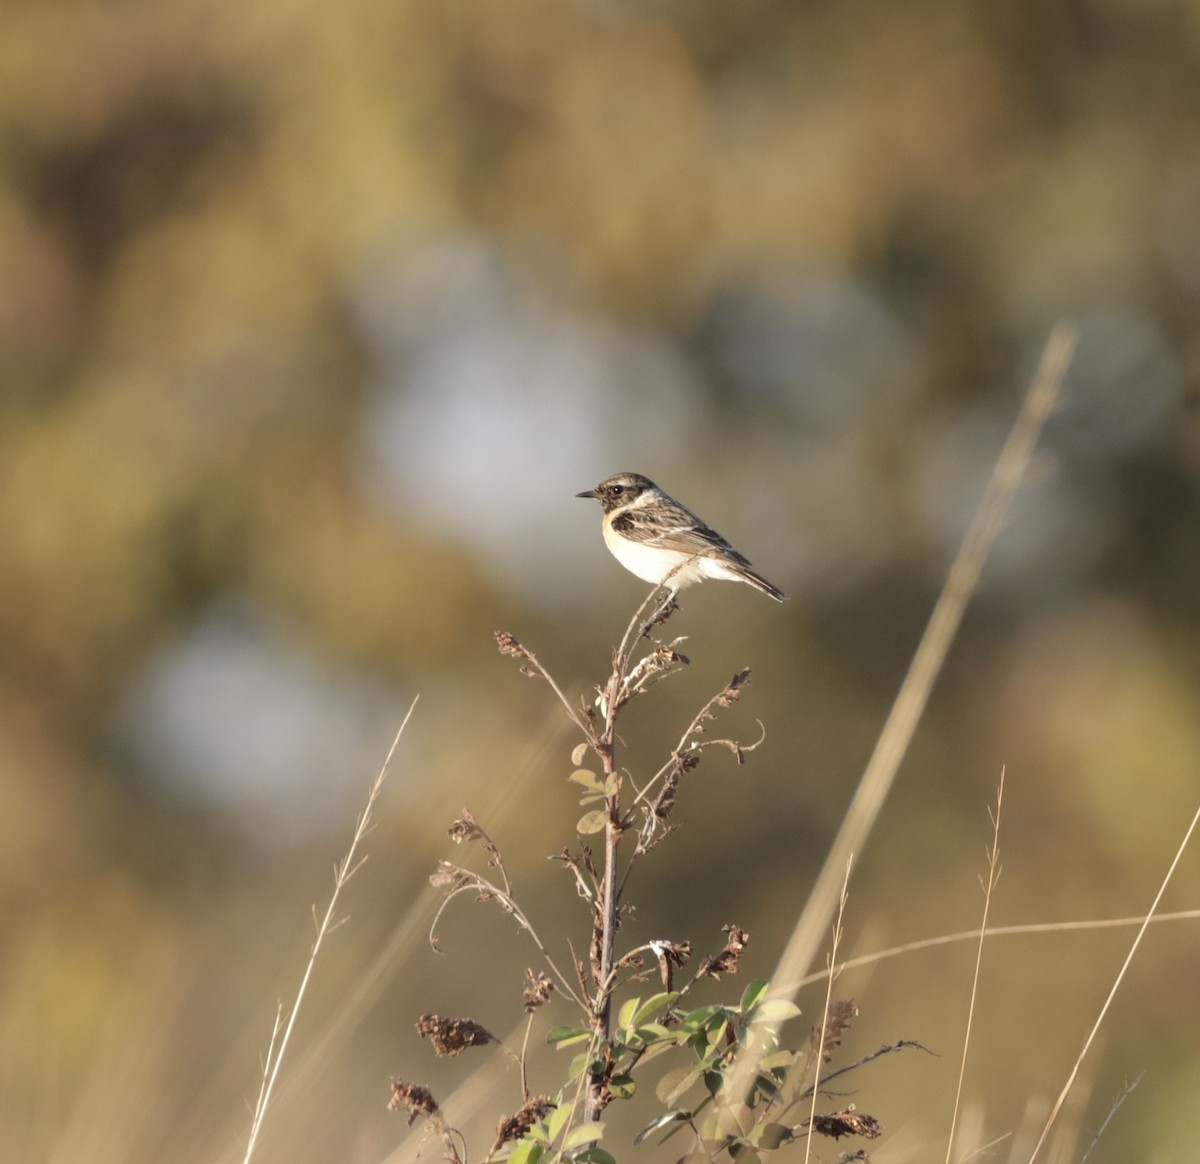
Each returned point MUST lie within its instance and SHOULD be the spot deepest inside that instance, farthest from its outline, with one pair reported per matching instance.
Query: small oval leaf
(627, 1011)
(770, 1136)
(775, 1010)
(622, 1086)
(753, 993)
(657, 1002)
(578, 754)
(592, 822)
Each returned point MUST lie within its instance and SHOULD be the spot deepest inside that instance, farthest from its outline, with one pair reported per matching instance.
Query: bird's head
(620, 490)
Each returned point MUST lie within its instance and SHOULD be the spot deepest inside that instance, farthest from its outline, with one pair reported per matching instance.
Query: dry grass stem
(990, 932)
(1137, 941)
(820, 1056)
(931, 651)
(992, 877)
(342, 873)
(927, 662)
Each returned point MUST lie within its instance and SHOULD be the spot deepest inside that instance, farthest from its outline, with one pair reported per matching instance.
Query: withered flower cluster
(452, 1036)
(727, 961)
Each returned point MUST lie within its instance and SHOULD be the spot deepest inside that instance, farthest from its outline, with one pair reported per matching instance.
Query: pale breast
(650, 562)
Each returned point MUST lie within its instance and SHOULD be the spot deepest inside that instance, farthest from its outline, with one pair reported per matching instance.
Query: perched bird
(651, 535)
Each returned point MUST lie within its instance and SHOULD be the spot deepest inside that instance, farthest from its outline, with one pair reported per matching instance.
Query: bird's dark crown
(620, 489)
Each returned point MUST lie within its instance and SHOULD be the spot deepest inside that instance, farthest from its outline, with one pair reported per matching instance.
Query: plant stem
(607, 905)
(659, 602)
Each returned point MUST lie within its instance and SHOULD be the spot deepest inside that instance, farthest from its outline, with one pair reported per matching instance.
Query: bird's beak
(589, 493)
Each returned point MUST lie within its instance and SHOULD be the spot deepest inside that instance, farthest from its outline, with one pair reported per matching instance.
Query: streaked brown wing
(672, 529)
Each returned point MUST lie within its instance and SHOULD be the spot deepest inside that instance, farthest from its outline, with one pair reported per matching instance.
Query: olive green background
(314, 316)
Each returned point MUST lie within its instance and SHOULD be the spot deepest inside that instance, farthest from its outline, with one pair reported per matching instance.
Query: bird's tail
(759, 583)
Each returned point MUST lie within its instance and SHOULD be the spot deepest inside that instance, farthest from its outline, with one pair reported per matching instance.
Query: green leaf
(779, 1059)
(752, 994)
(626, 1013)
(525, 1152)
(661, 1121)
(655, 1002)
(765, 1085)
(710, 1131)
(653, 1050)
(675, 1084)
(567, 1036)
(771, 1136)
(558, 1120)
(775, 1010)
(595, 1156)
(653, 1033)
(592, 822)
(700, 1019)
(584, 1134)
(578, 1065)
(587, 778)
(612, 785)
(735, 1119)
(622, 1086)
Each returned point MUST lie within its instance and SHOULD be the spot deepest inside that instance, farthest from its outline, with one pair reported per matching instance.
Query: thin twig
(886, 1049)
(468, 881)
(992, 876)
(1126, 1092)
(342, 874)
(576, 718)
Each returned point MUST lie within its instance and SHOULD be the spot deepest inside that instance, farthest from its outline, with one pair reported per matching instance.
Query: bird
(661, 541)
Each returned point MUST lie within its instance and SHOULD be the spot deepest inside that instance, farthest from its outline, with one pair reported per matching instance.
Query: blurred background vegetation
(314, 317)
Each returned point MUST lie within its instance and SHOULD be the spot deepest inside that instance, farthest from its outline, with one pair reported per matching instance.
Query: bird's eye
(616, 489)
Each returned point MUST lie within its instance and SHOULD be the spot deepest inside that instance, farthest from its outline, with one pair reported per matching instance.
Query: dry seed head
(510, 645)
(465, 829)
(419, 1100)
(453, 1036)
(734, 688)
(838, 1018)
(847, 1122)
(538, 989)
(513, 1127)
(726, 962)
